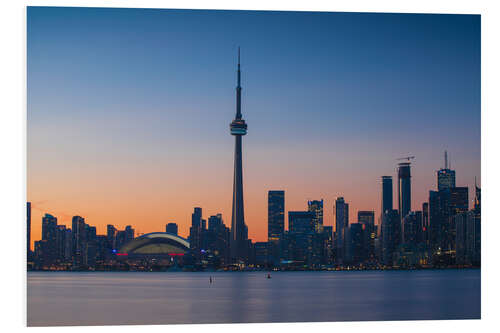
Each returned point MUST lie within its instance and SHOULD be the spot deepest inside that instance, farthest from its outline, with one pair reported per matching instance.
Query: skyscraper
(439, 220)
(301, 222)
(341, 223)
(391, 227)
(412, 228)
(28, 227)
(468, 238)
(354, 249)
(437, 200)
(172, 228)
(328, 233)
(129, 232)
(215, 221)
(300, 235)
(110, 236)
(443, 205)
(459, 200)
(217, 238)
(238, 228)
(459, 203)
(425, 222)
(196, 217)
(477, 198)
(367, 219)
(275, 215)
(386, 193)
(195, 240)
(79, 239)
(316, 206)
(404, 189)
(387, 199)
(49, 225)
(49, 238)
(445, 177)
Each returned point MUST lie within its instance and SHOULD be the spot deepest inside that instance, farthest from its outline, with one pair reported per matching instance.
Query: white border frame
(13, 144)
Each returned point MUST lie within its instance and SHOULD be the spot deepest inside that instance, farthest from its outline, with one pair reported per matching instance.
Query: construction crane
(406, 158)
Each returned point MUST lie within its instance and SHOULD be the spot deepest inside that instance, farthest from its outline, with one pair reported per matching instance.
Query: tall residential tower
(386, 194)
(404, 189)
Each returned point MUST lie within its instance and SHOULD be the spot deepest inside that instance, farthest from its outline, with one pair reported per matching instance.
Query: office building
(354, 249)
(195, 232)
(404, 189)
(275, 215)
(386, 194)
(328, 232)
(28, 228)
(110, 236)
(425, 222)
(316, 207)
(412, 228)
(445, 176)
(459, 200)
(341, 223)
(468, 238)
(261, 254)
(301, 222)
(129, 232)
(367, 219)
(391, 235)
(172, 228)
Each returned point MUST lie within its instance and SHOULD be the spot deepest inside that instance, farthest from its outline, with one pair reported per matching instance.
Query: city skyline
(97, 175)
(341, 206)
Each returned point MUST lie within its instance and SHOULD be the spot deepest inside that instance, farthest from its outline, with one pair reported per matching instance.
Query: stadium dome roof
(156, 243)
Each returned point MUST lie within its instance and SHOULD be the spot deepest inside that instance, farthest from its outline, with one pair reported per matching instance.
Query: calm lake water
(109, 298)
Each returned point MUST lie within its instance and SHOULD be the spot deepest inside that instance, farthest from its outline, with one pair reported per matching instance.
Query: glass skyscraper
(391, 235)
(341, 223)
(275, 215)
(301, 222)
(386, 193)
(316, 206)
(404, 189)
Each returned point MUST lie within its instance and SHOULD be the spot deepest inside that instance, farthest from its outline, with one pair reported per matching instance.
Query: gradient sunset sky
(129, 110)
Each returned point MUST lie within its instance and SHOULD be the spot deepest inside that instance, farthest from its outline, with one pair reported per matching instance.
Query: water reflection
(62, 298)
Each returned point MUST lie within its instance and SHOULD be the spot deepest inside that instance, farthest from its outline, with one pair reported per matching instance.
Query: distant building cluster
(78, 247)
(444, 233)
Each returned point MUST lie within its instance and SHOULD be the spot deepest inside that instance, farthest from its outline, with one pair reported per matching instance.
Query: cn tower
(239, 232)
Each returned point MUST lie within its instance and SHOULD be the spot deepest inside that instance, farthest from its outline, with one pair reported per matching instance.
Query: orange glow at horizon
(108, 184)
(149, 200)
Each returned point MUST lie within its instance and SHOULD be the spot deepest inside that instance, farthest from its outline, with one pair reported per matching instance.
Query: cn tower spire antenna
(238, 89)
(239, 71)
